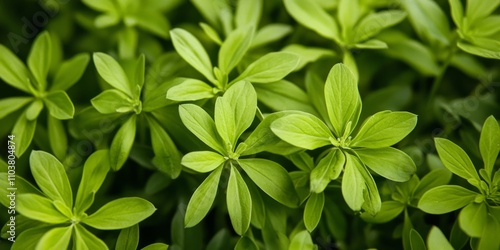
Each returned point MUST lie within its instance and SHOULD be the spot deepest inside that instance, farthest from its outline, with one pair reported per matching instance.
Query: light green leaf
(57, 137)
(120, 213)
(302, 160)
(428, 20)
(59, 105)
(246, 243)
(167, 158)
(372, 202)
(272, 178)
(436, 177)
(271, 67)
(457, 12)
(375, 22)
(444, 199)
(270, 33)
(199, 122)
(13, 71)
(313, 16)
(211, 33)
(112, 73)
(473, 219)
(153, 21)
(39, 208)
(94, 172)
(39, 59)
(388, 211)
(486, 26)
(22, 185)
(371, 44)
(235, 111)
(23, 130)
(128, 238)
(70, 72)
(353, 184)
(85, 240)
(348, 13)
(307, 54)
(455, 159)
(301, 241)
(110, 101)
(101, 5)
(29, 239)
(477, 9)
(156, 246)
(384, 129)
(57, 238)
(33, 110)
(489, 239)
(191, 50)
(190, 90)
(489, 143)
(239, 202)
(478, 51)
(202, 199)
(283, 95)
(202, 161)
(235, 47)
(343, 102)
(390, 163)
(328, 168)
(248, 13)
(302, 130)
(106, 20)
(122, 143)
(11, 104)
(50, 175)
(436, 240)
(313, 210)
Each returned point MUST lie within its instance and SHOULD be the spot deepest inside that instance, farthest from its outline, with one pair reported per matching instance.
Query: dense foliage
(250, 124)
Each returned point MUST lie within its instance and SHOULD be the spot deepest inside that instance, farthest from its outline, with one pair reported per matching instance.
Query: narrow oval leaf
(416, 241)
(29, 238)
(23, 130)
(156, 246)
(437, 240)
(85, 240)
(128, 238)
(70, 72)
(50, 175)
(455, 159)
(373, 23)
(328, 168)
(202, 161)
(436, 177)
(191, 50)
(428, 20)
(57, 238)
(248, 13)
(190, 90)
(111, 71)
(11, 104)
(57, 137)
(167, 158)
(120, 213)
(154, 22)
(94, 172)
(13, 71)
(33, 110)
(388, 211)
(271, 67)
(39, 58)
(239, 202)
(246, 243)
(353, 185)
(272, 178)
(473, 219)
(122, 143)
(384, 129)
(111, 100)
(199, 122)
(489, 143)
(59, 105)
(313, 210)
(390, 163)
(301, 241)
(235, 47)
(444, 199)
(202, 199)
(302, 130)
(270, 33)
(39, 208)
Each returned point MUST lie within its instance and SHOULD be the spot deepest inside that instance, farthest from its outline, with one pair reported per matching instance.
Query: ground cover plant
(250, 124)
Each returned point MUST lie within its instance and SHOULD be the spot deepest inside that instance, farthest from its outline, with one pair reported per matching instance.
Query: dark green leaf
(167, 158)
(57, 137)
(313, 210)
(128, 238)
(388, 211)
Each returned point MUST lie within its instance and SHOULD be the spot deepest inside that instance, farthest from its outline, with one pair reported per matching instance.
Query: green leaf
(416, 241)
(311, 15)
(156, 246)
(235, 111)
(353, 184)
(388, 211)
(128, 238)
(433, 179)
(302, 130)
(112, 73)
(477, 9)
(489, 143)
(202, 199)
(371, 44)
(50, 175)
(199, 122)
(153, 21)
(343, 102)
(328, 168)
(444, 199)
(301, 241)
(33, 110)
(437, 241)
(239, 202)
(167, 158)
(246, 243)
(478, 51)
(457, 12)
(101, 5)
(489, 239)
(39, 208)
(211, 33)
(428, 20)
(59, 105)
(302, 160)
(270, 33)
(110, 101)
(57, 238)
(191, 50)
(271, 67)
(455, 159)
(39, 59)
(313, 210)
(283, 95)
(13, 71)
(23, 130)
(122, 143)
(94, 172)
(272, 178)
(57, 137)
(248, 13)
(349, 13)
(473, 219)
(375, 22)
(22, 185)
(29, 239)
(220, 240)
(120, 213)
(11, 104)
(70, 72)
(390, 163)
(307, 54)
(85, 240)
(384, 129)
(235, 47)
(202, 161)
(486, 26)
(190, 90)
